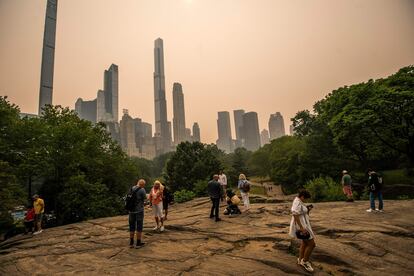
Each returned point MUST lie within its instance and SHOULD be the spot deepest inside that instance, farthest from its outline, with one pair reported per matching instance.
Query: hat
(344, 171)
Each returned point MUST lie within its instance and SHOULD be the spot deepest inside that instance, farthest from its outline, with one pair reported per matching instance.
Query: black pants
(215, 207)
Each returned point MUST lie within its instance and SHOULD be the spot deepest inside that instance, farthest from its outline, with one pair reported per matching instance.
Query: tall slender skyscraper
(179, 114)
(111, 91)
(196, 133)
(161, 122)
(224, 141)
(48, 55)
(238, 125)
(276, 126)
(251, 131)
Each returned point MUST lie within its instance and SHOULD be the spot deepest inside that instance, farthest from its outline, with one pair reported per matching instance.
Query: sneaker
(162, 228)
(381, 210)
(369, 210)
(140, 244)
(131, 244)
(218, 219)
(307, 265)
(155, 228)
(299, 261)
(211, 216)
(37, 232)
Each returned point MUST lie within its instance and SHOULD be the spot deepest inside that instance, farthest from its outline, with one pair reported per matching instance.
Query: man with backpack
(374, 188)
(134, 204)
(244, 187)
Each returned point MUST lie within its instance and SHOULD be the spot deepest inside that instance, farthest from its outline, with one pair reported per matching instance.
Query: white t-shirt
(223, 179)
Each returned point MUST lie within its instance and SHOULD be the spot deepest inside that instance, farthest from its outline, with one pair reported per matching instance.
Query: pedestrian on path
(215, 191)
(375, 190)
(244, 187)
(347, 185)
(155, 198)
(137, 196)
(39, 209)
(301, 228)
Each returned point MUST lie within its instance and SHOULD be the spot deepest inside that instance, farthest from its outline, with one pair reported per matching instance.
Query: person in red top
(155, 197)
(29, 220)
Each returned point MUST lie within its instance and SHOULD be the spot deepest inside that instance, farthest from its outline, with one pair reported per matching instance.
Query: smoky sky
(257, 55)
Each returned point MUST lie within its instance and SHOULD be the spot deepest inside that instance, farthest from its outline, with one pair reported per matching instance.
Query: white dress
(298, 208)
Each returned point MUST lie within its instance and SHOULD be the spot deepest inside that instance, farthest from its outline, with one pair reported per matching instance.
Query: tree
(190, 163)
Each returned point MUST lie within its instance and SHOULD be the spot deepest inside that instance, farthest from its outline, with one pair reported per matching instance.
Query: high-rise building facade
(111, 91)
(264, 137)
(179, 114)
(224, 141)
(251, 131)
(196, 133)
(86, 109)
(128, 135)
(238, 125)
(161, 122)
(276, 126)
(48, 55)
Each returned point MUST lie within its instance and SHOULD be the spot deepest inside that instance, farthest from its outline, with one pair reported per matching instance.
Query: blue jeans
(372, 200)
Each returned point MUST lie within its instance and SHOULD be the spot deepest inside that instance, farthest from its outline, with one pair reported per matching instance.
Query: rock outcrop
(349, 241)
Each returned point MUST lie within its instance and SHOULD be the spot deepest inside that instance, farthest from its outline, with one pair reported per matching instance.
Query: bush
(183, 196)
(324, 189)
(200, 188)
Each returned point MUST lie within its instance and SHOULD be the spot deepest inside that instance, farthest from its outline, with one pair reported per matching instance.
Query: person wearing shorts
(136, 217)
(346, 185)
(166, 200)
(39, 209)
(155, 197)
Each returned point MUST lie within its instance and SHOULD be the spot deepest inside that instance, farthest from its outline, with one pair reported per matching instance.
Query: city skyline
(297, 68)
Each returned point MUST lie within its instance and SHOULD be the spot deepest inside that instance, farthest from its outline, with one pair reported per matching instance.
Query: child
(29, 220)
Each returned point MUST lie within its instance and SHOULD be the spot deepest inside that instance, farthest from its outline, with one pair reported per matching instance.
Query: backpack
(131, 199)
(245, 186)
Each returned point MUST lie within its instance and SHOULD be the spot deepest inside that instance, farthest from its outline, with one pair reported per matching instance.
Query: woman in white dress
(301, 228)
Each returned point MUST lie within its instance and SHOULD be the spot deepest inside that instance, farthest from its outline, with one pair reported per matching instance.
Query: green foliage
(200, 188)
(11, 195)
(183, 196)
(325, 189)
(190, 163)
(62, 155)
(285, 159)
(82, 200)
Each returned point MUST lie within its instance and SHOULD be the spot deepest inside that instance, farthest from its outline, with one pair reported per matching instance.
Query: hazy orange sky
(257, 55)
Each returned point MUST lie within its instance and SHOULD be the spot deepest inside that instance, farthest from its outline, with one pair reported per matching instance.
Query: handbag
(299, 234)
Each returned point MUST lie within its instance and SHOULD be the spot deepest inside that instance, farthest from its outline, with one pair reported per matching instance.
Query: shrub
(200, 188)
(183, 196)
(324, 189)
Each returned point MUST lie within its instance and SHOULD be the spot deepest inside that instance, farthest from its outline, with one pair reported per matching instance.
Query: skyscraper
(196, 133)
(101, 115)
(251, 131)
(128, 141)
(264, 137)
(238, 122)
(179, 114)
(224, 141)
(111, 91)
(276, 126)
(48, 55)
(86, 109)
(161, 122)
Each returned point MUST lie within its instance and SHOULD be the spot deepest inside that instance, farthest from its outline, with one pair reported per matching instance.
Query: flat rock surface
(349, 241)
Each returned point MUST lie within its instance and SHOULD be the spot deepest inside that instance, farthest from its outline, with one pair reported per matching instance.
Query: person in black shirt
(136, 216)
(375, 190)
(215, 192)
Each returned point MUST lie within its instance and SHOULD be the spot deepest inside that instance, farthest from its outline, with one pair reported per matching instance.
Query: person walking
(155, 197)
(346, 185)
(136, 214)
(215, 191)
(244, 187)
(39, 209)
(375, 190)
(300, 228)
(167, 199)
